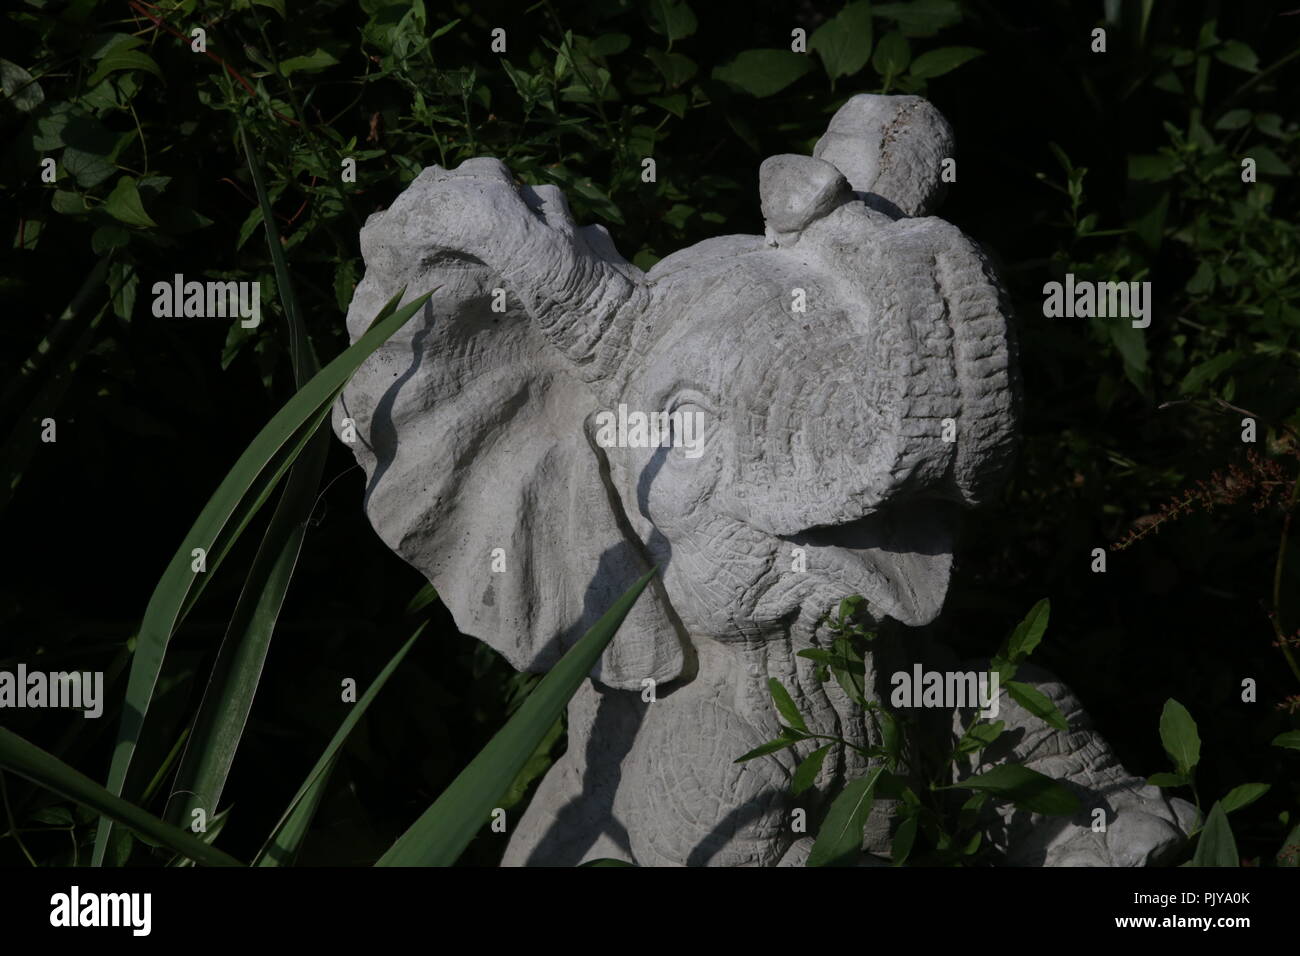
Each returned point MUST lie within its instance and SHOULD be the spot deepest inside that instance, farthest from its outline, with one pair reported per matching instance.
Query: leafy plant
(952, 834)
(1214, 841)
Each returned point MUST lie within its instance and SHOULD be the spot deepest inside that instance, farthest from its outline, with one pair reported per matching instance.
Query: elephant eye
(690, 425)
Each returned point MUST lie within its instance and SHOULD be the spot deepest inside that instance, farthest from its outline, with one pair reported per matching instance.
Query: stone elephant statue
(822, 362)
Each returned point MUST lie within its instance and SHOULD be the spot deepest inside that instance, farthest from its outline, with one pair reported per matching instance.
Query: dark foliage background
(1120, 165)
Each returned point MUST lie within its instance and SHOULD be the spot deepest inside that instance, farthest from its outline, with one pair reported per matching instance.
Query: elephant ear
(471, 427)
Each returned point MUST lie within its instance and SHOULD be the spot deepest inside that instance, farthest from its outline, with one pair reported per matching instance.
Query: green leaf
(422, 599)
(969, 813)
(1290, 739)
(124, 204)
(805, 775)
(124, 282)
(672, 18)
(20, 88)
(847, 608)
(1235, 53)
(228, 697)
(844, 41)
(1027, 789)
(762, 73)
(893, 53)
(286, 837)
(675, 68)
(1208, 371)
(313, 62)
(839, 841)
(1268, 162)
(904, 838)
(537, 765)
(771, 747)
(28, 760)
(921, 17)
(1201, 282)
(1233, 119)
(1037, 703)
(1270, 124)
(978, 736)
(1178, 735)
(1243, 796)
(1029, 632)
(1167, 780)
(102, 44)
(1149, 226)
(441, 834)
(123, 59)
(943, 60)
(849, 669)
(891, 734)
(1131, 343)
(1150, 168)
(241, 493)
(1169, 82)
(675, 104)
(608, 44)
(1216, 846)
(88, 169)
(445, 28)
(54, 816)
(785, 704)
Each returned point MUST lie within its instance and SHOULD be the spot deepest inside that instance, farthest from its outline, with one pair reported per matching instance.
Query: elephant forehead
(727, 324)
(830, 381)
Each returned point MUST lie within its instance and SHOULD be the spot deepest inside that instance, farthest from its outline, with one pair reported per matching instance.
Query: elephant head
(851, 370)
(849, 383)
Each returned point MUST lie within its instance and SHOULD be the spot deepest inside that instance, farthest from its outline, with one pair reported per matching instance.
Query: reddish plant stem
(141, 7)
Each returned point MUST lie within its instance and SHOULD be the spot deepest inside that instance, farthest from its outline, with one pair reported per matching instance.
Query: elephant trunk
(580, 293)
(928, 408)
(570, 281)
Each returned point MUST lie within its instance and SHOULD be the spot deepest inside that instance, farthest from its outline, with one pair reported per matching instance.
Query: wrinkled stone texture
(477, 431)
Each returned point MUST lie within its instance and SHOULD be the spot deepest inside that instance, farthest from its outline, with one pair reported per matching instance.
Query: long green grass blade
(300, 351)
(441, 834)
(28, 760)
(246, 487)
(283, 843)
(228, 698)
(215, 826)
(286, 842)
